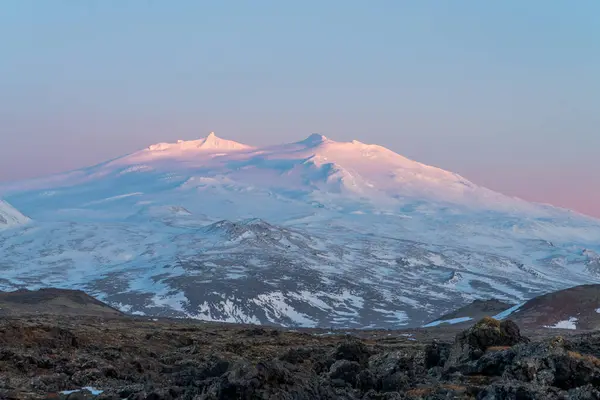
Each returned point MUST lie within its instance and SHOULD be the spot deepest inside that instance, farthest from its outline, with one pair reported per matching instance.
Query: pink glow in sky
(490, 90)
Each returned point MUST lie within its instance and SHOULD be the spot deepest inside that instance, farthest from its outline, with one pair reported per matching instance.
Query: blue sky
(506, 93)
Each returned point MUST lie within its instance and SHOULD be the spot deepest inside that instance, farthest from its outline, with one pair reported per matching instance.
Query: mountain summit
(210, 143)
(318, 164)
(314, 140)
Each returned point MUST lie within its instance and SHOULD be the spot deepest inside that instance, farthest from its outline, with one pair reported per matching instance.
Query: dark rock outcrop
(133, 359)
(472, 344)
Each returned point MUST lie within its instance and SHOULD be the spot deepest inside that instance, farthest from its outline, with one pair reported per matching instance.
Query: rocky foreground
(127, 358)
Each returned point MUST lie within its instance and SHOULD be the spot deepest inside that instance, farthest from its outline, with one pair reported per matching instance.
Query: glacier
(311, 233)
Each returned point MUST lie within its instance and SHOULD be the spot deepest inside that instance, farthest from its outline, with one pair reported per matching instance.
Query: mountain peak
(314, 139)
(210, 142)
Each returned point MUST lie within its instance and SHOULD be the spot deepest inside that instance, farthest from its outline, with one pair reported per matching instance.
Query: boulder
(352, 350)
(346, 371)
(471, 344)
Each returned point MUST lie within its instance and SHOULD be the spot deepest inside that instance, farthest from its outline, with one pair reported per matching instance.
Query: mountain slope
(470, 313)
(10, 217)
(309, 233)
(573, 308)
(52, 301)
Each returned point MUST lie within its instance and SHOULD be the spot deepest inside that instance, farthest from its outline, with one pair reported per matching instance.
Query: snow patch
(508, 312)
(276, 306)
(566, 324)
(176, 301)
(448, 321)
(93, 391)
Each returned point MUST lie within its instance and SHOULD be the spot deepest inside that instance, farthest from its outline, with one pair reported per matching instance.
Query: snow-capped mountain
(10, 217)
(315, 232)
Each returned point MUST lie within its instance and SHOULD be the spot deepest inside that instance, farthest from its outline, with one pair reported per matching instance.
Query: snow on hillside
(315, 232)
(10, 217)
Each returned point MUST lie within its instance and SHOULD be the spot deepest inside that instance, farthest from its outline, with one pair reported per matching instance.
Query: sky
(505, 93)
